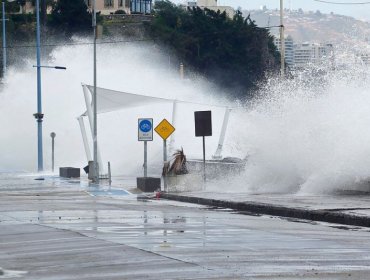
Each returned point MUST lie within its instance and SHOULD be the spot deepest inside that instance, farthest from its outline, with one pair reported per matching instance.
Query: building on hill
(212, 5)
(289, 49)
(28, 7)
(107, 7)
(312, 53)
(300, 55)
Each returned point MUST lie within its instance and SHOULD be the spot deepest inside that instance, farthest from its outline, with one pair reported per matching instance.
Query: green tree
(234, 53)
(71, 15)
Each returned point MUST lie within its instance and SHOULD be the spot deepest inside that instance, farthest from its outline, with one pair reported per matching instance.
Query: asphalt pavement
(70, 229)
(346, 208)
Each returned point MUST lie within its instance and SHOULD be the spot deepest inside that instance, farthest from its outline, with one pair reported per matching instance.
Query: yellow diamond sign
(164, 129)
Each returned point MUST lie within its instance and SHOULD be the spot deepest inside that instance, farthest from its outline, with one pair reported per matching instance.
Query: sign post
(145, 134)
(203, 128)
(164, 130)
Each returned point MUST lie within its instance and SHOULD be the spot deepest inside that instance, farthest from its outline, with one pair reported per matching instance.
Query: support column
(84, 138)
(218, 153)
(174, 117)
(91, 121)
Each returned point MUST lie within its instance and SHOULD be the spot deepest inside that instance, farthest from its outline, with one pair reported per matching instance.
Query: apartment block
(212, 5)
(289, 49)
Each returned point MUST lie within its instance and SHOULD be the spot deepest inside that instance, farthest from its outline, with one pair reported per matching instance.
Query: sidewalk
(346, 209)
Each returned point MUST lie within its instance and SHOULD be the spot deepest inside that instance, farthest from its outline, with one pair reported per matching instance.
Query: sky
(357, 11)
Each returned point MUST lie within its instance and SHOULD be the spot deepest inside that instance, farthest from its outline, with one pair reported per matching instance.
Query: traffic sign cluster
(145, 129)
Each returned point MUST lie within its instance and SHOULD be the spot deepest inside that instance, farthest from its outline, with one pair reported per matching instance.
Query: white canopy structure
(111, 100)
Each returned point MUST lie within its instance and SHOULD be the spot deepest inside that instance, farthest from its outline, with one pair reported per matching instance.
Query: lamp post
(4, 35)
(51, 67)
(39, 115)
(282, 40)
(4, 39)
(96, 167)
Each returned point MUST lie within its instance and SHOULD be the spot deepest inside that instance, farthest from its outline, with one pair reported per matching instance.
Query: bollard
(52, 135)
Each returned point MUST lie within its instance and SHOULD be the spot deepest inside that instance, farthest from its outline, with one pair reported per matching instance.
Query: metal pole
(84, 138)
(145, 159)
(165, 163)
(96, 173)
(90, 115)
(174, 115)
(282, 40)
(204, 159)
(52, 135)
(181, 71)
(109, 174)
(52, 154)
(4, 40)
(39, 116)
(218, 153)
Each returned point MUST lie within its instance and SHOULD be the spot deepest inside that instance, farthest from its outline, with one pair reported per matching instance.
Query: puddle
(8, 274)
(248, 213)
(295, 220)
(232, 211)
(346, 228)
(107, 192)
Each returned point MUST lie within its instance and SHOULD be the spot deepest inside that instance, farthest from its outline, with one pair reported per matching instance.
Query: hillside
(316, 27)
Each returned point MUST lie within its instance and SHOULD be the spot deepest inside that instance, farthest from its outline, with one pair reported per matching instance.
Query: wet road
(56, 229)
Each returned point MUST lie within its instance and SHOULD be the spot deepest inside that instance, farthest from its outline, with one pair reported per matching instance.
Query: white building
(312, 53)
(302, 54)
(212, 5)
(289, 49)
(106, 7)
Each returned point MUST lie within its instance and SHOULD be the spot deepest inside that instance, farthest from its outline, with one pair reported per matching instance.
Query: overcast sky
(357, 11)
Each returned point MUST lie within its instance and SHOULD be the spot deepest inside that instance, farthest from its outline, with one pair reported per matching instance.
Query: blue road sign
(145, 130)
(145, 126)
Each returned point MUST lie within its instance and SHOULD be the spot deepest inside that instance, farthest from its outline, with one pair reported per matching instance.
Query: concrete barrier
(69, 172)
(275, 210)
(148, 184)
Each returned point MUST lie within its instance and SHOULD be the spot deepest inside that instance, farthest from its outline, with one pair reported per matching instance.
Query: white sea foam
(309, 137)
(134, 68)
(301, 136)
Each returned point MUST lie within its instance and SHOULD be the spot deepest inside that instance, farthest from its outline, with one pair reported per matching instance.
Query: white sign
(145, 130)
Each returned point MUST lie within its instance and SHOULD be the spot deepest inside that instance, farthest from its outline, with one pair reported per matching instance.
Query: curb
(275, 210)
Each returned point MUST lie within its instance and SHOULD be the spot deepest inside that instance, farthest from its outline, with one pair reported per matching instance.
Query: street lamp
(4, 39)
(4, 35)
(96, 167)
(39, 115)
(53, 67)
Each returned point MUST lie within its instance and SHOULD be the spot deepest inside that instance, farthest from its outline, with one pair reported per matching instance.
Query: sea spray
(308, 137)
(129, 67)
(304, 135)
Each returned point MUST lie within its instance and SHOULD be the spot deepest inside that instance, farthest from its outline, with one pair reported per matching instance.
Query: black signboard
(203, 123)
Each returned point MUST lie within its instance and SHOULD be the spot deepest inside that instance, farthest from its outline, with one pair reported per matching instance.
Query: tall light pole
(4, 39)
(96, 167)
(39, 115)
(282, 40)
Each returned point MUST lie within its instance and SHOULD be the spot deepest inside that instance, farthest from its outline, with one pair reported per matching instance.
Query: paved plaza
(68, 229)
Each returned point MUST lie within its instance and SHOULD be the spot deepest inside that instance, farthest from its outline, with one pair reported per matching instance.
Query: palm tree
(178, 166)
